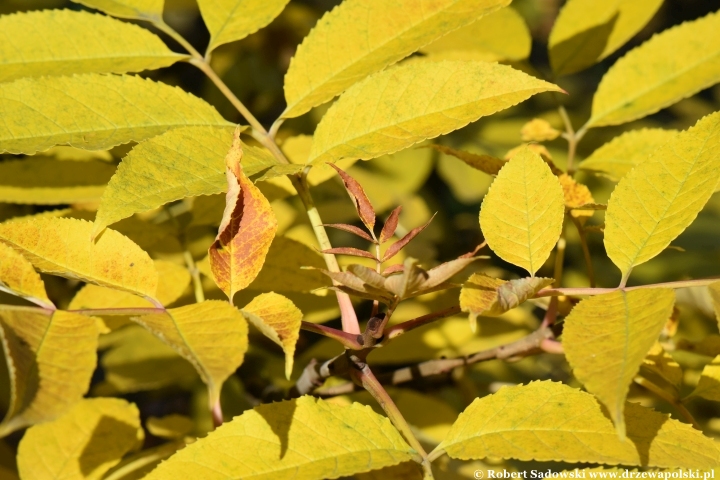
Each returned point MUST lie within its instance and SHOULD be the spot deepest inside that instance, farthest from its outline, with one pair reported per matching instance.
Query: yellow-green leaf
(617, 157)
(51, 360)
(45, 181)
(522, 214)
(307, 438)
(709, 385)
(18, 277)
(547, 421)
(392, 110)
(278, 319)
(62, 246)
(361, 37)
(586, 31)
(606, 339)
(672, 65)
(173, 280)
(94, 112)
(231, 20)
(170, 426)
(661, 196)
(139, 9)
(82, 444)
(501, 35)
(658, 364)
(55, 42)
(211, 335)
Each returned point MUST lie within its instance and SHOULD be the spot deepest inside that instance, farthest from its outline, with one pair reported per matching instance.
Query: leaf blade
(139, 9)
(18, 277)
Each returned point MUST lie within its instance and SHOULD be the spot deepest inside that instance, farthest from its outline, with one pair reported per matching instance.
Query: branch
(314, 375)
(401, 328)
(553, 292)
(348, 340)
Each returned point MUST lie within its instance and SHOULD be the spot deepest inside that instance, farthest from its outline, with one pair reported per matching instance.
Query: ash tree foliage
(159, 258)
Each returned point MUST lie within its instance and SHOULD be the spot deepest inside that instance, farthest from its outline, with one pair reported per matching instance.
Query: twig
(118, 311)
(217, 414)
(401, 328)
(314, 375)
(672, 400)
(195, 274)
(348, 340)
(552, 292)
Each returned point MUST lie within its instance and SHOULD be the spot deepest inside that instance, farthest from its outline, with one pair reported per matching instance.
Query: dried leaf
(355, 252)
(390, 225)
(395, 248)
(351, 229)
(483, 295)
(360, 200)
(484, 163)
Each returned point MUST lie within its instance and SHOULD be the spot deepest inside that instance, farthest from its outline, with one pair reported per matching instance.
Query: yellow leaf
(501, 35)
(392, 110)
(55, 42)
(547, 421)
(231, 20)
(307, 437)
(170, 426)
(522, 214)
(586, 31)
(51, 359)
(576, 195)
(18, 277)
(483, 295)
(246, 230)
(538, 130)
(82, 444)
(672, 65)
(467, 178)
(617, 157)
(45, 181)
(62, 246)
(606, 339)
(173, 280)
(211, 335)
(659, 364)
(94, 112)
(361, 37)
(661, 196)
(709, 385)
(278, 319)
(141, 9)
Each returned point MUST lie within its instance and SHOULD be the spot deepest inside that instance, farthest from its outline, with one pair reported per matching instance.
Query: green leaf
(500, 36)
(587, 31)
(46, 181)
(55, 42)
(180, 163)
(51, 359)
(278, 319)
(617, 157)
(672, 65)
(548, 421)
(709, 385)
(661, 196)
(307, 438)
(231, 20)
(522, 214)
(18, 277)
(361, 37)
(94, 111)
(139, 9)
(62, 246)
(392, 110)
(607, 337)
(211, 335)
(84, 443)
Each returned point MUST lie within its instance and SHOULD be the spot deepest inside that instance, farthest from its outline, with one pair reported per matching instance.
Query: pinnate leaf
(62, 246)
(352, 251)
(391, 224)
(606, 338)
(392, 110)
(211, 335)
(360, 200)
(55, 42)
(94, 112)
(51, 359)
(547, 421)
(84, 443)
(672, 65)
(395, 248)
(661, 196)
(522, 214)
(484, 163)
(231, 20)
(309, 437)
(361, 37)
(139, 9)
(483, 295)
(350, 229)
(247, 229)
(18, 277)
(278, 319)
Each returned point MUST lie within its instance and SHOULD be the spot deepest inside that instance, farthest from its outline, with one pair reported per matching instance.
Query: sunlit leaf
(548, 421)
(576, 195)
(361, 37)
(661, 196)
(606, 337)
(140, 9)
(18, 277)
(522, 214)
(309, 437)
(538, 130)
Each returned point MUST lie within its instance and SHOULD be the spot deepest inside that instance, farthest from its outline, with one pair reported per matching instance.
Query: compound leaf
(661, 196)
(392, 110)
(607, 337)
(309, 437)
(522, 214)
(139, 9)
(18, 277)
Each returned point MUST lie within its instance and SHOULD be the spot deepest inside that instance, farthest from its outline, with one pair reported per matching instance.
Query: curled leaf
(483, 295)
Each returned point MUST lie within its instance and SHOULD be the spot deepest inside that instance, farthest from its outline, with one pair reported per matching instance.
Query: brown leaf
(398, 267)
(247, 229)
(357, 194)
(354, 285)
(484, 163)
(390, 225)
(352, 229)
(367, 275)
(445, 271)
(483, 295)
(407, 283)
(356, 252)
(397, 246)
